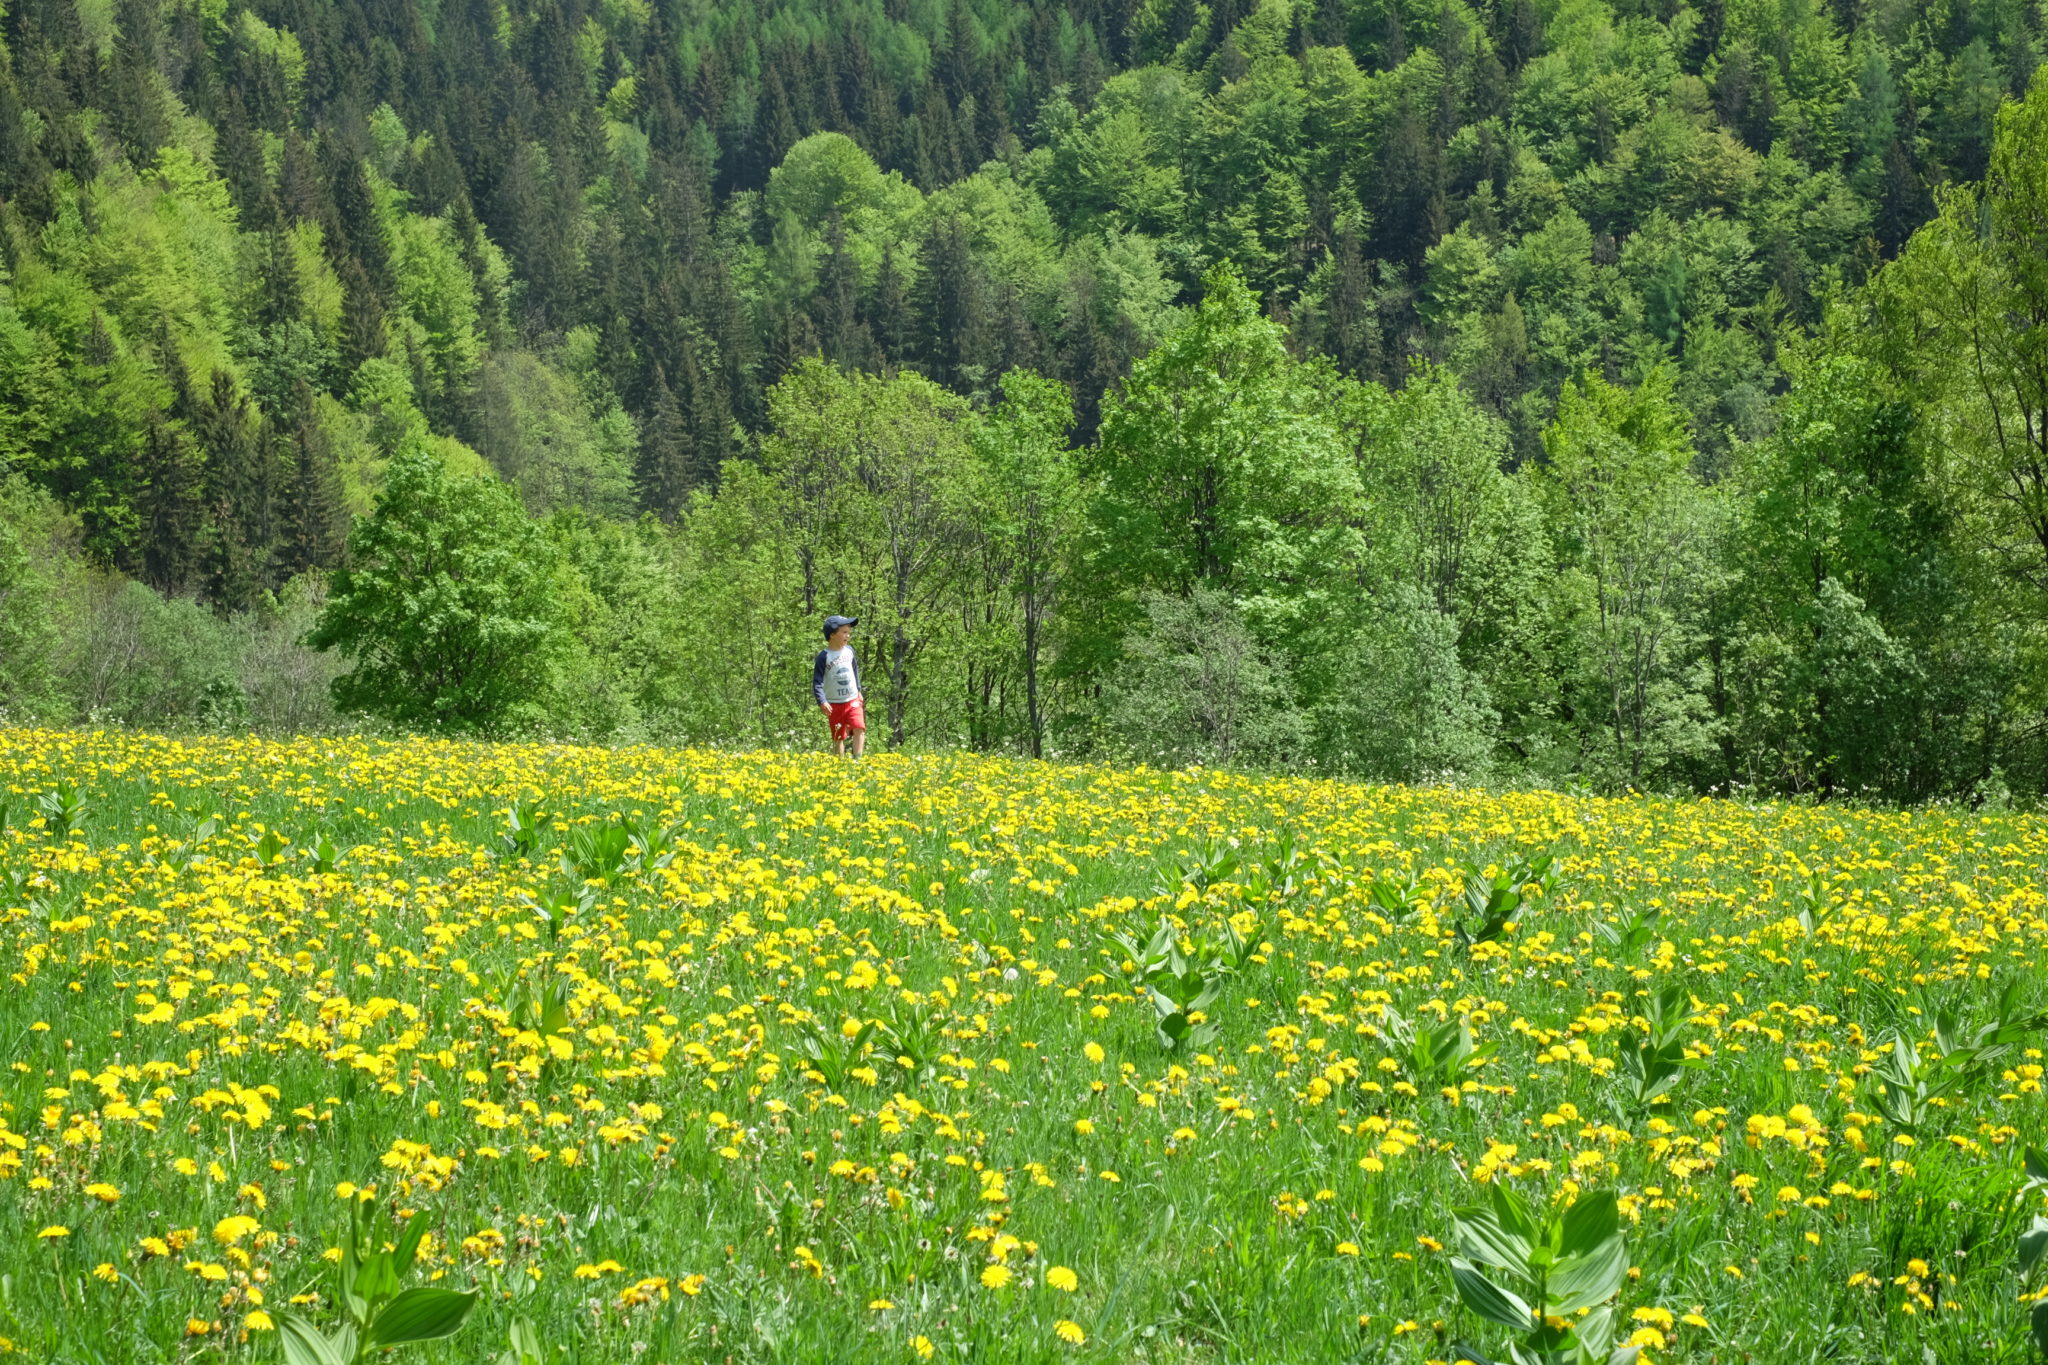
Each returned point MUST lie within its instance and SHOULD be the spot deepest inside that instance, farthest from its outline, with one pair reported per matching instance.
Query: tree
(172, 512)
(952, 295)
(1221, 466)
(1966, 309)
(1859, 649)
(1636, 535)
(534, 425)
(240, 491)
(666, 453)
(1031, 493)
(1413, 711)
(316, 523)
(446, 608)
(874, 471)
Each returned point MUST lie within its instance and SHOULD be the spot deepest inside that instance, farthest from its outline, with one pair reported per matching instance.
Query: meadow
(623, 1055)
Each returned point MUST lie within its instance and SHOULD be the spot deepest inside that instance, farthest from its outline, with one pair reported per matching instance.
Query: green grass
(392, 1014)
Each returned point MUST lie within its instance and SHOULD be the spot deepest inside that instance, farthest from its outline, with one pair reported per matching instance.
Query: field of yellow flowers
(677, 1056)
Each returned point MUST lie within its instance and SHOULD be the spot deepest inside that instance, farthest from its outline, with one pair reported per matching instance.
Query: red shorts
(845, 717)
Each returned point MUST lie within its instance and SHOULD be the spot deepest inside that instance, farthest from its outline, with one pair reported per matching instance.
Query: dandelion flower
(231, 1230)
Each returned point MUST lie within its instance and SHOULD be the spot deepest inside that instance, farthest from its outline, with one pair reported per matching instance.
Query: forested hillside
(1623, 393)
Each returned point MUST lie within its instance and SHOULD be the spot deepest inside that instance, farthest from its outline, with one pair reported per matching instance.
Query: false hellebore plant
(380, 1314)
(1545, 1277)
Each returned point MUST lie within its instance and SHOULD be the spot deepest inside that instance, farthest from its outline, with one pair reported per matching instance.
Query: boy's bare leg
(860, 742)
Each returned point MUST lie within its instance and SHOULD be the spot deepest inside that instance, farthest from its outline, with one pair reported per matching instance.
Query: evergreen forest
(1618, 393)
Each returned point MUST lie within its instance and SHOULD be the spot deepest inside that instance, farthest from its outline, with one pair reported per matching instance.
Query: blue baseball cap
(833, 623)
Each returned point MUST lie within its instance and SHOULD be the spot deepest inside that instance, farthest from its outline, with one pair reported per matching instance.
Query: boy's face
(838, 638)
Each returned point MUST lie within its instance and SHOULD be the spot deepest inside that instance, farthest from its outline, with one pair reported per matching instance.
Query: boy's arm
(818, 677)
(853, 662)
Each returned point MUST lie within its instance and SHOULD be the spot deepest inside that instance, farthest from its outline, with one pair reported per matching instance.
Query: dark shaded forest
(1545, 390)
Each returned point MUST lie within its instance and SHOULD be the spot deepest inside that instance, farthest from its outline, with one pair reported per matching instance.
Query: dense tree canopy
(1571, 389)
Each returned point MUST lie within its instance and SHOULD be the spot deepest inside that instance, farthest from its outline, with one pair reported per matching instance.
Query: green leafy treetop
(446, 606)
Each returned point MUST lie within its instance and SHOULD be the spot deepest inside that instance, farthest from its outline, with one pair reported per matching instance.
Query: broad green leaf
(1594, 1332)
(2037, 1165)
(1482, 1237)
(1515, 1214)
(1588, 1280)
(1462, 1354)
(409, 1244)
(525, 1341)
(425, 1314)
(377, 1280)
(1479, 896)
(2041, 1324)
(1488, 1299)
(305, 1344)
(2033, 1242)
(1590, 1221)
(352, 1272)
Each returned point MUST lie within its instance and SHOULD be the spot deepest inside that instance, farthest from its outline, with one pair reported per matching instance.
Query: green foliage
(831, 1054)
(1968, 308)
(1436, 1055)
(1029, 490)
(1220, 468)
(1911, 1087)
(1404, 705)
(874, 494)
(1491, 900)
(1545, 1276)
(1193, 686)
(1632, 932)
(445, 610)
(379, 1314)
(1567, 393)
(526, 823)
(1638, 542)
(29, 687)
(525, 1346)
(545, 436)
(1182, 980)
(1654, 1059)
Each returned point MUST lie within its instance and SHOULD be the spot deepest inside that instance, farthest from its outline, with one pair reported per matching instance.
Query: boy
(835, 684)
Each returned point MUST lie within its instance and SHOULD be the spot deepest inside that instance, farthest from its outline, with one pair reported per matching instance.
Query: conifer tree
(316, 519)
(666, 452)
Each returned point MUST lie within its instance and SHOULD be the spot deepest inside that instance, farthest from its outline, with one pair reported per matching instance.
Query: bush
(1194, 687)
(134, 658)
(30, 689)
(288, 686)
(1410, 710)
